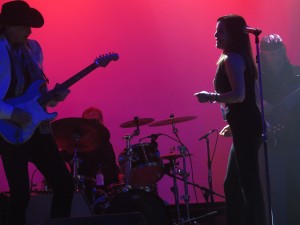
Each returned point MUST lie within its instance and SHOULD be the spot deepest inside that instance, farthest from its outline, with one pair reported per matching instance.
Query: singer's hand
(203, 96)
(226, 131)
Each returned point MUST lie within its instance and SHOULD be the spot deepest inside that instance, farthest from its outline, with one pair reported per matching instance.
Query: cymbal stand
(185, 176)
(76, 161)
(175, 188)
(183, 151)
(129, 158)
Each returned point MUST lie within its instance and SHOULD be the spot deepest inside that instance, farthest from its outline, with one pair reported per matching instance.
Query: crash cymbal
(173, 156)
(172, 120)
(136, 122)
(77, 133)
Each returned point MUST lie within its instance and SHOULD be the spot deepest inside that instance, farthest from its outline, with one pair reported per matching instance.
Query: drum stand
(183, 151)
(76, 162)
(128, 158)
(175, 188)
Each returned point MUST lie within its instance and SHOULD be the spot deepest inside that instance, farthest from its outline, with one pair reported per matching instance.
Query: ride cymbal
(172, 120)
(78, 133)
(136, 122)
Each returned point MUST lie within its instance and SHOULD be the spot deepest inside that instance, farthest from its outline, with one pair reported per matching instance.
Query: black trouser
(42, 151)
(243, 190)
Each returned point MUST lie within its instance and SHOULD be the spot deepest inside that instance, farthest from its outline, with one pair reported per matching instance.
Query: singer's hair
(238, 40)
(273, 42)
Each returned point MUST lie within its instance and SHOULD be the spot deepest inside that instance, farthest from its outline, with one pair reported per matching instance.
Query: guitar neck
(68, 83)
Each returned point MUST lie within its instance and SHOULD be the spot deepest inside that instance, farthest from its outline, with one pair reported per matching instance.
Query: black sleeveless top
(244, 117)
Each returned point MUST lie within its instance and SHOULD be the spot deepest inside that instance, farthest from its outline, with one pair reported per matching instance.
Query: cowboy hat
(19, 13)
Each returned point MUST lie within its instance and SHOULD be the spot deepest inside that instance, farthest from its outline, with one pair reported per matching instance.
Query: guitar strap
(18, 78)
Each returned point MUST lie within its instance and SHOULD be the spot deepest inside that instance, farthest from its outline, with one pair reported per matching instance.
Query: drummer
(102, 157)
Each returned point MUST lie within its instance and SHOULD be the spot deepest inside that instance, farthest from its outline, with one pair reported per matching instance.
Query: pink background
(167, 53)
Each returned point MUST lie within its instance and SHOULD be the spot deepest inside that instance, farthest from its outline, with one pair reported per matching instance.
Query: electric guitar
(280, 114)
(33, 101)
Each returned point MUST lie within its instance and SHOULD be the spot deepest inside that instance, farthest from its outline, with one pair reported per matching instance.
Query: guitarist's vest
(24, 71)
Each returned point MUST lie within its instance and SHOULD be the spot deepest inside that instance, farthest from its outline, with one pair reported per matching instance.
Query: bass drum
(151, 206)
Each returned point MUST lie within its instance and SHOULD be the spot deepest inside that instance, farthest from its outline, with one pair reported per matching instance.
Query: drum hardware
(172, 120)
(77, 135)
(183, 152)
(136, 121)
(173, 166)
(172, 172)
(205, 191)
(128, 152)
(146, 164)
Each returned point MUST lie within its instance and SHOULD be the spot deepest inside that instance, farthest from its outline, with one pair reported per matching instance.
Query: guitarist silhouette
(25, 133)
(281, 86)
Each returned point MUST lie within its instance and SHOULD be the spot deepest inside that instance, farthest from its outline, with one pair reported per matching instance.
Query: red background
(167, 53)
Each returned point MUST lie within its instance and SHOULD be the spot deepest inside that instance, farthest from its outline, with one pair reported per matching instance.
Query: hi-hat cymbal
(136, 122)
(78, 133)
(172, 120)
(173, 156)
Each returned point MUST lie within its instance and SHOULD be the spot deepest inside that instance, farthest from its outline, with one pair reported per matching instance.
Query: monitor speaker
(39, 208)
(109, 219)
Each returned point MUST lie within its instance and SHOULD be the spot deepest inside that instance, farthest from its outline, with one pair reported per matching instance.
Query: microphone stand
(129, 157)
(209, 162)
(206, 190)
(264, 129)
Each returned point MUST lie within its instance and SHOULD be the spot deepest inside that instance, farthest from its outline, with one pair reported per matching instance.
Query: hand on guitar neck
(59, 96)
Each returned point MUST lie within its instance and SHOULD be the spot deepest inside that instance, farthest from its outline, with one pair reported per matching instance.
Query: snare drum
(146, 165)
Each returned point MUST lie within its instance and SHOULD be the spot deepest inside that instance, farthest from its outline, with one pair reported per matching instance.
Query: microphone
(206, 135)
(252, 30)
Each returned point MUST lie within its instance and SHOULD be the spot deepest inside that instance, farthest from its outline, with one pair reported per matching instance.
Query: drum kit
(140, 163)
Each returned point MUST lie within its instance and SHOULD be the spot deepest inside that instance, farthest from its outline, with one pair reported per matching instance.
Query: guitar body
(16, 134)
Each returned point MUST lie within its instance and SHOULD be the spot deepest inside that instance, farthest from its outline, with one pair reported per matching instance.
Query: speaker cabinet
(111, 219)
(39, 208)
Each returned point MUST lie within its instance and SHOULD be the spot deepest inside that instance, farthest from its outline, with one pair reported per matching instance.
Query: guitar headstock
(105, 59)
